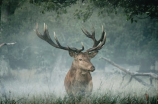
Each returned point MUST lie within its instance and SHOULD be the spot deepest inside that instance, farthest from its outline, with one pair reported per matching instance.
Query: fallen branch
(7, 44)
(134, 74)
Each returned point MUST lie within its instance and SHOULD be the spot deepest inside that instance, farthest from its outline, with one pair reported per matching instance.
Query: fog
(49, 81)
(32, 67)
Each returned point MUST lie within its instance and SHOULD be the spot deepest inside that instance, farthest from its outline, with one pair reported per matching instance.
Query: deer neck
(80, 75)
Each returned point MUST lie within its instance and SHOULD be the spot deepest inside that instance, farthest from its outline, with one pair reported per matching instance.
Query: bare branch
(123, 77)
(129, 81)
(134, 74)
(7, 44)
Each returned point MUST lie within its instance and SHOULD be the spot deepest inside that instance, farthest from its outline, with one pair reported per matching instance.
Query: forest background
(131, 27)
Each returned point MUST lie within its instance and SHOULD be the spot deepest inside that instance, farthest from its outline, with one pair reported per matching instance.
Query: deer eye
(89, 53)
(80, 59)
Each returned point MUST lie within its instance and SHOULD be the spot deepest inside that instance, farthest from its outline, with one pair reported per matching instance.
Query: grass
(93, 99)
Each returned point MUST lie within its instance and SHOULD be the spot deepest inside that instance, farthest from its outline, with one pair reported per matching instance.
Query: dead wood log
(134, 74)
(6, 44)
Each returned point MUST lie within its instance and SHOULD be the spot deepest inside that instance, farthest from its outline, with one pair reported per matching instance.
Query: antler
(46, 37)
(97, 44)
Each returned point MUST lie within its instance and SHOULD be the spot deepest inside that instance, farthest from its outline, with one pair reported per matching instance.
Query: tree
(137, 9)
(8, 8)
(133, 9)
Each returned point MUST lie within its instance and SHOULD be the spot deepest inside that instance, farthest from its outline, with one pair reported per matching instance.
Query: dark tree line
(133, 9)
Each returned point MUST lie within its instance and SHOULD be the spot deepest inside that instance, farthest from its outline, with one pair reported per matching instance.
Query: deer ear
(92, 54)
(72, 54)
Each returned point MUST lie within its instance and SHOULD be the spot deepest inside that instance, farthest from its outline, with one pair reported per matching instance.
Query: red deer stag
(78, 79)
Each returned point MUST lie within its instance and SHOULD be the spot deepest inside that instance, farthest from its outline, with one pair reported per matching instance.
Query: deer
(78, 80)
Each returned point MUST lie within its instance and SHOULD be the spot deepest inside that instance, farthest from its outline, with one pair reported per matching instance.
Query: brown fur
(78, 80)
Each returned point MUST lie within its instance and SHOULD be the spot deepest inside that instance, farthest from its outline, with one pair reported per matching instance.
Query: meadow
(44, 86)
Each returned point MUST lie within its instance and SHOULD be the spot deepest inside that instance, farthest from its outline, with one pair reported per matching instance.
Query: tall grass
(93, 99)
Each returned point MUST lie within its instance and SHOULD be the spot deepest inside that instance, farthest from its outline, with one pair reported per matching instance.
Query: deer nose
(92, 68)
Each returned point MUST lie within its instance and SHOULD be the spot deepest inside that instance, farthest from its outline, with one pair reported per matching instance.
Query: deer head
(81, 59)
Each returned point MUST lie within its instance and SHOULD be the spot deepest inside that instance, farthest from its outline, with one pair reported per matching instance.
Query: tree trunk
(5, 13)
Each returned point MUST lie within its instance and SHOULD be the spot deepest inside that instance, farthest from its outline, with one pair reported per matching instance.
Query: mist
(32, 67)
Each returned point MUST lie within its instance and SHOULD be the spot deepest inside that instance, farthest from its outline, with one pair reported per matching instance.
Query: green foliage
(11, 5)
(59, 6)
(133, 9)
(84, 14)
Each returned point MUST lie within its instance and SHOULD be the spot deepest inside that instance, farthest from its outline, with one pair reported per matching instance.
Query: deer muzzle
(92, 68)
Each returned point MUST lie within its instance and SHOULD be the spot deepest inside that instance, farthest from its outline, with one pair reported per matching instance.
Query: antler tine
(93, 32)
(86, 33)
(38, 33)
(67, 48)
(46, 37)
(78, 50)
(82, 45)
(56, 40)
(97, 44)
(91, 36)
(46, 32)
(102, 36)
(101, 44)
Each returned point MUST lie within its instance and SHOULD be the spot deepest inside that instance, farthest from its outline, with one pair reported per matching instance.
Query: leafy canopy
(133, 9)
